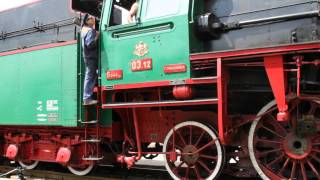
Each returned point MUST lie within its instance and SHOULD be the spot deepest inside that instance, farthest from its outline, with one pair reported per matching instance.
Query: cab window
(120, 12)
(161, 8)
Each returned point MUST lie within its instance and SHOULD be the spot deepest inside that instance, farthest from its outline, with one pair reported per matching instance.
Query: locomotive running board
(160, 103)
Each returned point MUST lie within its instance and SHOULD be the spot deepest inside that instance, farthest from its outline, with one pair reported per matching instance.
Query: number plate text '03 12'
(141, 64)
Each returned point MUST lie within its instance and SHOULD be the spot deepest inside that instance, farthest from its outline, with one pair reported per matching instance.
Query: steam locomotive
(214, 86)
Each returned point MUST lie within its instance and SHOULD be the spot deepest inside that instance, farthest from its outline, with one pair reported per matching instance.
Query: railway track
(55, 172)
(49, 171)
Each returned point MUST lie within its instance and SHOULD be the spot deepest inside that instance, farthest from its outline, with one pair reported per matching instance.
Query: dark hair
(85, 19)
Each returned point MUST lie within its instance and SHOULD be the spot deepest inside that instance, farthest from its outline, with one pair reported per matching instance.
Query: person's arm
(133, 12)
(91, 39)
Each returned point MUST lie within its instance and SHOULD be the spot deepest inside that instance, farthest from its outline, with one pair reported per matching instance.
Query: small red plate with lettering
(114, 74)
(175, 68)
(141, 64)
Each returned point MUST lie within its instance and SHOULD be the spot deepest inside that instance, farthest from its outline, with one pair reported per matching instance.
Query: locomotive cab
(144, 50)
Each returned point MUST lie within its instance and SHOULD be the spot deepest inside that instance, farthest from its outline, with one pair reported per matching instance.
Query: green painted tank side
(40, 87)
(167, 39)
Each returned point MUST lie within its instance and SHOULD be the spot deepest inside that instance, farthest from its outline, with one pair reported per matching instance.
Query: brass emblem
(141, 49)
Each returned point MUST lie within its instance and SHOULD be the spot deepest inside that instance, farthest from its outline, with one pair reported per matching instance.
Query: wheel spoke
(181, 138)
(264, 153)
(284, 166)
(273, 132)
(178, 167)
(293, 170)
(279, 127)
(206, 146)
(187, 172)
(316, 150)
(275, 161)
(209, 157)
(271, 143)
(190, 135)
(175, 146)
(303, 171)
(316, 137)
(204, 166)
(315, 158)
(313, 108)
(196, 170)
(200, 137)
(314, 170)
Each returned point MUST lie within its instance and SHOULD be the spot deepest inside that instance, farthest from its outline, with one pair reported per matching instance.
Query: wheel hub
(296, 147)
(192, 158)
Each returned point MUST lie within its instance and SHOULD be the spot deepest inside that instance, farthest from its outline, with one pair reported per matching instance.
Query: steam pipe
(279, 18)
(210, 24)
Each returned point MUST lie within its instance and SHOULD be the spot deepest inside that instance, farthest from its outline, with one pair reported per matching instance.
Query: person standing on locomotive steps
(89, 37)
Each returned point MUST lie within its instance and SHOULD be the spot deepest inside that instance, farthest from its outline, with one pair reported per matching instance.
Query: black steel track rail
(56, 172)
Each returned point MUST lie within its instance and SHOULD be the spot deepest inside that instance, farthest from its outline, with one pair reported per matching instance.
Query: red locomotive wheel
(198, 152)
(287, 150)
(81, 170)
(29, 165)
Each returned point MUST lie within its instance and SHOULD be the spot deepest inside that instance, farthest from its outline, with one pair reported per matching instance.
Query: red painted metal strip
(258, 51)
(210, 80)
(159, 104)
(47, 46)
(161, 84)
(223, 120)
(141, 85)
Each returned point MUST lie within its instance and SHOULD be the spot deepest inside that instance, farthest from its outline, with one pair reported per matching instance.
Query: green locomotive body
(40, 87)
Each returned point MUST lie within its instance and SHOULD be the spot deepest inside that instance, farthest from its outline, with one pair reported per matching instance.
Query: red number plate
(141, 64)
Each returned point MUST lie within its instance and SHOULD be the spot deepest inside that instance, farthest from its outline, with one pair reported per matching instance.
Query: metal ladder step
(89, 122)
(205, 78)
(92, 158)
(91, 140)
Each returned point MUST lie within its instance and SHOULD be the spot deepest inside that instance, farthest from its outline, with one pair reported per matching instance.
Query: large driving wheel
(199, 153)
(287, 150)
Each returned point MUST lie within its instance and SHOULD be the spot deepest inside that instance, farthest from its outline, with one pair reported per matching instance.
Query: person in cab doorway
(133, 12)
(89, 37)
